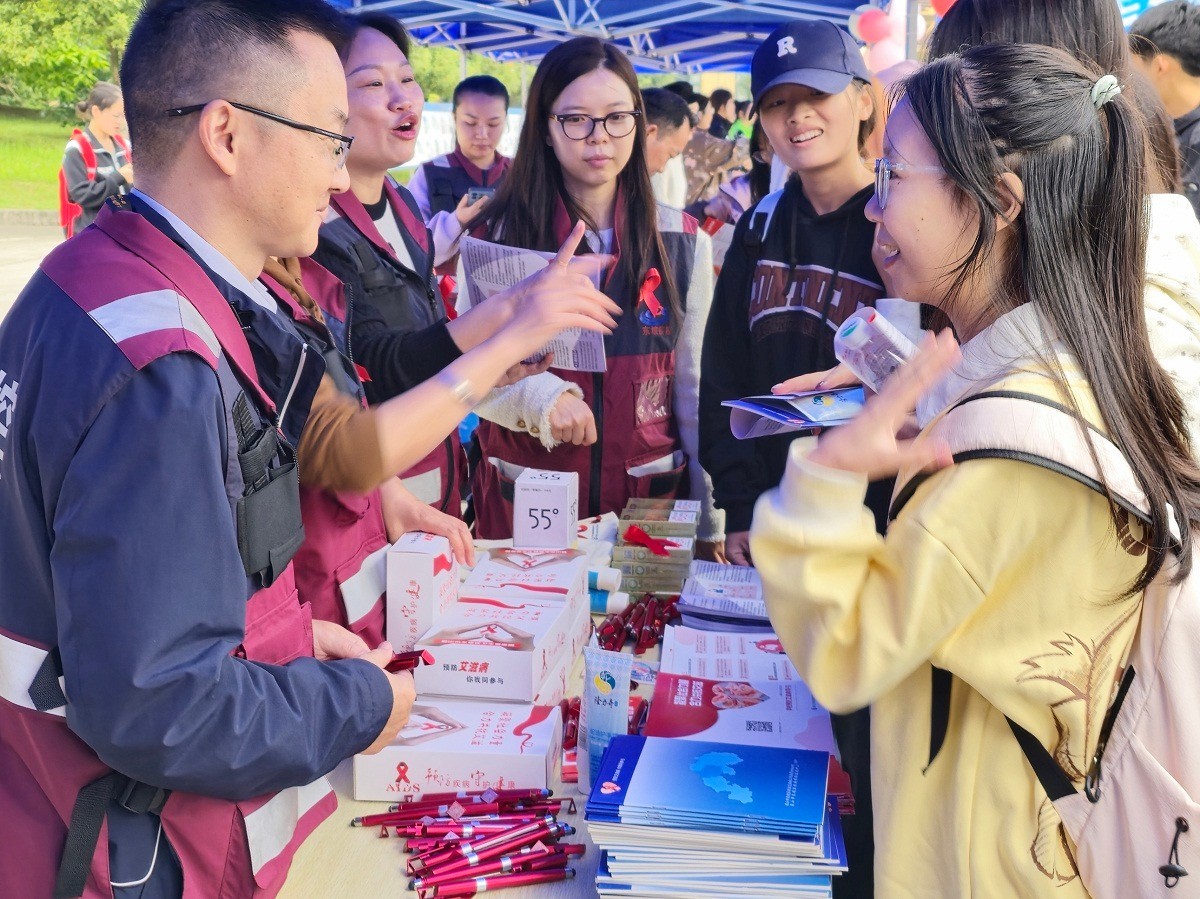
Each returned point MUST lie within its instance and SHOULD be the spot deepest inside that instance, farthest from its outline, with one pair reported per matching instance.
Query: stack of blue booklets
(686, 818)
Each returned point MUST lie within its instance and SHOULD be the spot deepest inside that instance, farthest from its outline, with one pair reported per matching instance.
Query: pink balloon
(884, 55)
(875, 26)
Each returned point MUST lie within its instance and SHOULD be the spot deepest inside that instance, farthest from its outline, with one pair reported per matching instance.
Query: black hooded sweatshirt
(773, 317)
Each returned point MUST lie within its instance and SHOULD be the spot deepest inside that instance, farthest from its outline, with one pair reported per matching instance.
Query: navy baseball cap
(812, 52)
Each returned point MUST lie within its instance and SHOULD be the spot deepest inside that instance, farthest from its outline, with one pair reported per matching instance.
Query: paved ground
(21, 249)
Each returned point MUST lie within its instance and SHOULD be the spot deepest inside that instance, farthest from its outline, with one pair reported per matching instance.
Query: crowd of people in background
(281, 309)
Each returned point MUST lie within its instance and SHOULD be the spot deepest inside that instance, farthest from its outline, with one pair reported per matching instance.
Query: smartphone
(475, 194)
(407, 661)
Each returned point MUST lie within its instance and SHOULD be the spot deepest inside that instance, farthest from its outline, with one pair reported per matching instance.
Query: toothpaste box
(545, 509)
(529, 575)
(674, 505)
(662, 522)
(496, 648)
(422, 583)
(451, 745)
(679, 551)
(713, 580)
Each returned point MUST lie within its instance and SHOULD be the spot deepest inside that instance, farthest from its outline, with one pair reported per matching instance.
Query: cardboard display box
(499, 649)
(422, 584)
(529, 575)
(451, 745)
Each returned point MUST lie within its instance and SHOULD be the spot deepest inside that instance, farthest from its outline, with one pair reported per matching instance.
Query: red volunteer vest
(341, 569)
(226, 849)
(436, 479)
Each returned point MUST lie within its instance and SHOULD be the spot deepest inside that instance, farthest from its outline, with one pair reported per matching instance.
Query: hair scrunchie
(1105, 88)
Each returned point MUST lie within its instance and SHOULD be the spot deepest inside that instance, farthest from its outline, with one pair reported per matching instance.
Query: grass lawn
(30, 157)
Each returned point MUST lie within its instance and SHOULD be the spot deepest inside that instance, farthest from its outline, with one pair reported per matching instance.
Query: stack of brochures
(733, 687)
(723, 597)
(688, 818)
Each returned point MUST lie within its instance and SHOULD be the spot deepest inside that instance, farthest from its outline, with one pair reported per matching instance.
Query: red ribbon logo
(646, 293)
(441, 563)
(402, 773)
(635, 536)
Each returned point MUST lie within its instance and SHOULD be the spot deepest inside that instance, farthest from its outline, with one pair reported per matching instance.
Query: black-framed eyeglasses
(341, 143)
(883, 175)
(577, 126)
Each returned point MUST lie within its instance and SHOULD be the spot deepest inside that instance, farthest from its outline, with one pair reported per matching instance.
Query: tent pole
(910, 32)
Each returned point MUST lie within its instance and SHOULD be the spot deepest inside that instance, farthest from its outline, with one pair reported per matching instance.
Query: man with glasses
(162, 689)
(158, 689)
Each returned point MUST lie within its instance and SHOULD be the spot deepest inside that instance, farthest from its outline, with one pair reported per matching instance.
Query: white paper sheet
(490, 268)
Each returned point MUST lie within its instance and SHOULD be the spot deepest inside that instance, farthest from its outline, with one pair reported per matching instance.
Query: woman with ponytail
(1011, 197)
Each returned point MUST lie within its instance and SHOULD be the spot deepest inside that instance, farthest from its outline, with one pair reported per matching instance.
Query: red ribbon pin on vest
(646, 293)
(635, 536)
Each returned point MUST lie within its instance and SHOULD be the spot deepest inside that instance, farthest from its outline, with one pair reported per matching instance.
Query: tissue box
(497, 649)
(529, 575)
(545, 509)
(422, 583)
(452, 745)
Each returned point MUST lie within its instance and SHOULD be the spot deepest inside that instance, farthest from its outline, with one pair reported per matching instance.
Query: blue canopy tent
(685, 36)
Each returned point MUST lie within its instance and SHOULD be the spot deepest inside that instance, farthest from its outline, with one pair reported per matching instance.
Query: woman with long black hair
(630, 431)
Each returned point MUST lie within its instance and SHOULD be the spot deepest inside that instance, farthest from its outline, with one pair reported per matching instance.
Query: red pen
(447, 853)
(407, 661)
(488, 795)
(506, 864)
(548, 808)
(469, 804)
(468, 888)
(471, 858)
(415, 815)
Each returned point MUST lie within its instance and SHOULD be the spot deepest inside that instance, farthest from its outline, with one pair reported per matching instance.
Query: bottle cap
(853, 333)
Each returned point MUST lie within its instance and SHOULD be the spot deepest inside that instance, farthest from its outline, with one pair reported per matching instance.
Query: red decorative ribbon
(441, 563)
(363, 374)
(402, 773)
(646, 293)
(635, 536)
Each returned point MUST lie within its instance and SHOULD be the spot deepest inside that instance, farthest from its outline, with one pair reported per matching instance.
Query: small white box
(422, 584)
(545, 509)
(457, 745)
(529, 575)
(492, 649)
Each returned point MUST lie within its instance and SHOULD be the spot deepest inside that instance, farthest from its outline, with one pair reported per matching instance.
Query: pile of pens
(479, 841)
(642, 621)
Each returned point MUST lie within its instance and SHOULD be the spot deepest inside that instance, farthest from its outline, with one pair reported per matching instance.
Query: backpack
(760, 222)
(69, 211)
(1136, 822)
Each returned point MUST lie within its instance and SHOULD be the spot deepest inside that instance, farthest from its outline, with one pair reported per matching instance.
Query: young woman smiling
(1010, 196)
(374, 240)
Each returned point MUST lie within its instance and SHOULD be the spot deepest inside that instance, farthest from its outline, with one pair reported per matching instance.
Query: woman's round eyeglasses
(577, 126)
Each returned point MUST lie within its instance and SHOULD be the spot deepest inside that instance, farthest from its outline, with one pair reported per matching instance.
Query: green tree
(52, 52)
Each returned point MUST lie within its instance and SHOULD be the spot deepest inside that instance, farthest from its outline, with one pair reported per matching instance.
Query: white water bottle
(871, 347)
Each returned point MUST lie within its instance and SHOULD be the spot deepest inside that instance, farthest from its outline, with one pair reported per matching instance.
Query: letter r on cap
(787, 45)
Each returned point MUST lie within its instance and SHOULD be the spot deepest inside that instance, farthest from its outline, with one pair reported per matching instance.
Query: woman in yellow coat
(1010, 196)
